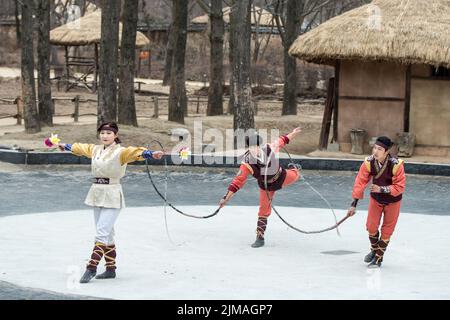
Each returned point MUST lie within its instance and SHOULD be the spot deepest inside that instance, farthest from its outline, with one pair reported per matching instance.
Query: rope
(298, 166)
(165, 198)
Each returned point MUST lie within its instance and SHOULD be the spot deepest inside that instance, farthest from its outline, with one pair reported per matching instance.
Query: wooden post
(66, 53)
(337, 71)
(94, 85)
(156, 112)
(138, 75)
(198, 104)
(407, 100)
(53, 106)
(19, 103)
(327, 114)
(76, 112)
(149, 63)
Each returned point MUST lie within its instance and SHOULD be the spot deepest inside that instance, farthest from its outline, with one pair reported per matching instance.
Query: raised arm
(284, 140)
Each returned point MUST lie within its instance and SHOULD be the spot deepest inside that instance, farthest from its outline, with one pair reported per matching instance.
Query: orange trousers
(265, 209)
(390, 214)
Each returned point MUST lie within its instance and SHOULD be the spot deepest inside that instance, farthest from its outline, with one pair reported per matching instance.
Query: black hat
(384, 142)
(253, 140)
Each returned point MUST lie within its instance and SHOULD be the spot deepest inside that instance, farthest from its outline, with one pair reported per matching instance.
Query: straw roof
(406, 31)
(258, 16)
(85, 31)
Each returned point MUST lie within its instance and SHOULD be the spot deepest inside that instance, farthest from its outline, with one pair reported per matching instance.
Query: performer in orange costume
(260, 162)
(388, 184)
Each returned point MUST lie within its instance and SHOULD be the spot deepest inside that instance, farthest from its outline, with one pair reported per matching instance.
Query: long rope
(166, 202)
(165, 198)
(335, 226)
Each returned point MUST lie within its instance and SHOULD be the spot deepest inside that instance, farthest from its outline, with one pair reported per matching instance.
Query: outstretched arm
(237, 183)
(131, 154)
(78, 149)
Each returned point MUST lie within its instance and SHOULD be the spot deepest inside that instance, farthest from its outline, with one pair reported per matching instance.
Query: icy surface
(212, 259)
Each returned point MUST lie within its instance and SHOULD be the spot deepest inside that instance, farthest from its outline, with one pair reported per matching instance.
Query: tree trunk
(43, 49)
(177, 96)
(242, 91)
(107, 91)
(290, 85)
(172, 38)
(292, 29)
(215, 92)
(30, 116)
(231, 43)
(16, 16)
(127, 106)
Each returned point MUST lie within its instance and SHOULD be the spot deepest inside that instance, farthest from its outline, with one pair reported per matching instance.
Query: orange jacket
(363, 178)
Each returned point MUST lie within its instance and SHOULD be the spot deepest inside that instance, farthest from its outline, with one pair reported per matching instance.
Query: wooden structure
(392, 61)
(85, 31)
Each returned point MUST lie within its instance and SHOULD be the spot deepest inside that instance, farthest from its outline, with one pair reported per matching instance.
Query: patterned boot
(379, 253)
(373, 246)
(260, 229)
(96, 256)
(110, 258)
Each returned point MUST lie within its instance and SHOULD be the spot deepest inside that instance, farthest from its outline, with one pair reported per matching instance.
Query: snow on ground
(212, 259)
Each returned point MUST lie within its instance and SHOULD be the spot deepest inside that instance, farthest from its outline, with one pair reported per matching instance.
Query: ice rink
(212, 259)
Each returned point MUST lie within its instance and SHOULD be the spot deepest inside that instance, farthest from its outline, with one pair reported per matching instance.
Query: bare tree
(290, 18)
(31, 117)
(169, 50)
(43, 51)
(215, 93)
(177, 95)
(107, 91)
(127, 106)
(17, 19)
(240, 85)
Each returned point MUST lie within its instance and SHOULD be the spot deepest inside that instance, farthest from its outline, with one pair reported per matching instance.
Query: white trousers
(105, 218)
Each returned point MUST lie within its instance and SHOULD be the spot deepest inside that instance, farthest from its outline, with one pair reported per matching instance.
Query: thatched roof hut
(87, 31)
(392, 71)
(259, 17)
(406, 31)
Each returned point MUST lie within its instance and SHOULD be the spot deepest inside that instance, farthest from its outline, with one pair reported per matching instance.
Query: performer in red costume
(261, 162)
(388, 184)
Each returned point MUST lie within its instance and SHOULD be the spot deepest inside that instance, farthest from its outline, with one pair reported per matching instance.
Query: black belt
(101, 180)
(275, 177)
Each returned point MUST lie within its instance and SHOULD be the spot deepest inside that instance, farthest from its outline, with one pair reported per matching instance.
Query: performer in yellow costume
(109, 162)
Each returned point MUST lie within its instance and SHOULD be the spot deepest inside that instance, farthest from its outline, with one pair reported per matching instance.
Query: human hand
(351, 211)
(374, 188)
(157, 154)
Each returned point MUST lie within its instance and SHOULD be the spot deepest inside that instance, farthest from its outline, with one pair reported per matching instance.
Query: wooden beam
(371, 98)
(407, 99)
(66, 55)
(327, 114)
(94, 85)
(337, 74)
(431, 78)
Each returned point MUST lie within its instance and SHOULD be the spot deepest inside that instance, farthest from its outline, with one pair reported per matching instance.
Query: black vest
(274, 175)
(383, 177)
